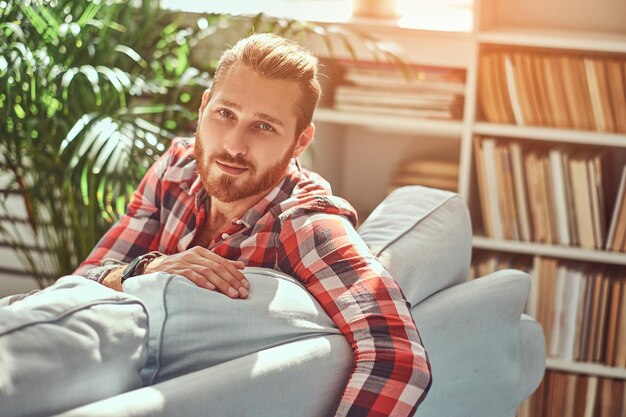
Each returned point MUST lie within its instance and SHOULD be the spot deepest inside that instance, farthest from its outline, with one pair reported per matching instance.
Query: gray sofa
(279, 354)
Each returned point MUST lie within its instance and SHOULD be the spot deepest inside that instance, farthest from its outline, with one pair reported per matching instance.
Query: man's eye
(225, 113)
(266, 126)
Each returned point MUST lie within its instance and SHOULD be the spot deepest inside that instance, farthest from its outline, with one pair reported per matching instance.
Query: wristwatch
(138, 265)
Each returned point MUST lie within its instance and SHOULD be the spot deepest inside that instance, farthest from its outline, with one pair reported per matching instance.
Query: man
(235, 196)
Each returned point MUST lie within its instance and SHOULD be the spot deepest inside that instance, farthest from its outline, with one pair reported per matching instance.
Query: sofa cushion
(193, 328)
(423, 237)
(70, 344)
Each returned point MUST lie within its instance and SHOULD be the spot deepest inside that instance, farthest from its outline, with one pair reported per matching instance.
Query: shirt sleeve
(391, 372)
(137, 232)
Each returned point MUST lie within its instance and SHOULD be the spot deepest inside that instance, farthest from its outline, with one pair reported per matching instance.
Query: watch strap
(138, 265)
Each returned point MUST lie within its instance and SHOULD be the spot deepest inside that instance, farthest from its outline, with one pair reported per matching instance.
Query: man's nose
(235, 142)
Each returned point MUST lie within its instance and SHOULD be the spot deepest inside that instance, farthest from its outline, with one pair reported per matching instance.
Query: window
(445, 15)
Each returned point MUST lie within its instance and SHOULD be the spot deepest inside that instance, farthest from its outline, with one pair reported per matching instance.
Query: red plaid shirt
(299, 228)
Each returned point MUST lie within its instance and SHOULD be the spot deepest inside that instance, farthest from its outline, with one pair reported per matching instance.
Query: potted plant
(91, 93)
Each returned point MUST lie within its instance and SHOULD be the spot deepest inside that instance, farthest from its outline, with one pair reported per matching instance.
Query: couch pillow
(193, 328)
(70, 344)
(423, 237)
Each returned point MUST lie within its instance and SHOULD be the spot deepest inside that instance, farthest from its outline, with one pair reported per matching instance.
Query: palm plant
(91, 93)
(87, 105)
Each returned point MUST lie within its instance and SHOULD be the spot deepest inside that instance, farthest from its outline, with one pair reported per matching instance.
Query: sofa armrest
(302, 378)
(485, 357)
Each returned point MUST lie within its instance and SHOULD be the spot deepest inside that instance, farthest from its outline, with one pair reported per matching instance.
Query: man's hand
(205, 269)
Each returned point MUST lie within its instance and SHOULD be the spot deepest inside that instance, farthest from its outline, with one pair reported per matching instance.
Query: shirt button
(225, 236)
(238, 221)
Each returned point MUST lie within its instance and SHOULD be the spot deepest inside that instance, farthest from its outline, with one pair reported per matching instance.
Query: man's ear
(304, 140)
(205, 101)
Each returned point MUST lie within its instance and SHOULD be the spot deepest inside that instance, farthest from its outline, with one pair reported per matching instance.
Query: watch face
(130, 269)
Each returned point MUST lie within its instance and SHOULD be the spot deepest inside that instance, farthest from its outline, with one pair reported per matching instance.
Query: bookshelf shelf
(444, 128)
(561, 252)
(577, 40)
(593, 369)
(551, 134)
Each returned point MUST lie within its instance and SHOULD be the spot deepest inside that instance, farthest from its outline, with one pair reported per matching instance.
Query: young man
(235, 196)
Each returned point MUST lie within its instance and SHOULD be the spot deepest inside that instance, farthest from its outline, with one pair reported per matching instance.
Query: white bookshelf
(558, 25)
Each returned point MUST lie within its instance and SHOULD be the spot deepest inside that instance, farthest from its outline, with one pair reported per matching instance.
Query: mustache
(237, 160)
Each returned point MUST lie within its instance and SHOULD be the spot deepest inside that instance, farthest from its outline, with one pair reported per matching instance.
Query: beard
(227, 188)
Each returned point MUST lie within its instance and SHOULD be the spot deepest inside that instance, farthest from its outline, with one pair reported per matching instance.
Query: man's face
(246, 134)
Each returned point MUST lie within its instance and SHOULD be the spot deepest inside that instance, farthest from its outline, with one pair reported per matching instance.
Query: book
(506, 193)
(512, 88)
(594, 93)
(604, 93)
(580, 398)
(598, 354)
(558, 313)
(582, 92)
(613, 317)
(596, 190)
(521, 195)
(570, 395)
(549, 207)
(369, 96)
(536, 199)
(487, 89)
(555, 92)
(590, 401)
(594, 309)
(617, 90)
(573, 296)
(585, 323)
(400, 111)
(544, 110)
(569, 194)
(525, 93)
(560, 198)
(619, 358)
(617, 226)
(503, 101)
(582, 200)
(488, 146)
(440, 169)
(483, 188)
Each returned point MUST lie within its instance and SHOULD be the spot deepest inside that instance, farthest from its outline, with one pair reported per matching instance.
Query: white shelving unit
(556, 25)
(559, 25)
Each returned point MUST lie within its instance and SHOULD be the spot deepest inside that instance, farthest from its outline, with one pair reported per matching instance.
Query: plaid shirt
(299, 228)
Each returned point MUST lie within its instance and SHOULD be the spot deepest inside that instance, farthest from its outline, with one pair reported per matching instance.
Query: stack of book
(564, 394)
(581, 307)
(411, 90)
(549, 195)
(570, 91)
(428, 173)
